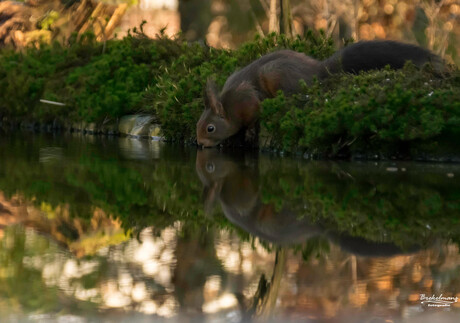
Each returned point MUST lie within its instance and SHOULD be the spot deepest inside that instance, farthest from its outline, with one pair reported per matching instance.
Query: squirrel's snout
(204, 143)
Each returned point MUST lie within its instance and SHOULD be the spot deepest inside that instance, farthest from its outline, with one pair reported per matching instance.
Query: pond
(120, 229)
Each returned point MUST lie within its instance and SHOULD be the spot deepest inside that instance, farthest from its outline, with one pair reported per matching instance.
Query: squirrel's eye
(211, 128)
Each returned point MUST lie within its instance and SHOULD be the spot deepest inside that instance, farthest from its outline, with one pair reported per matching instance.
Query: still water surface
(111, 230)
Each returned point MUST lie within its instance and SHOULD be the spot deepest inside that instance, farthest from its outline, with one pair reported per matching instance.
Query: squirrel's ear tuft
(212, 100)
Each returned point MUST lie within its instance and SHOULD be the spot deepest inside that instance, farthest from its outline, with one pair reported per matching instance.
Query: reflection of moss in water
(313, 248)
(374, 202)
(371, 202)
(140, 194)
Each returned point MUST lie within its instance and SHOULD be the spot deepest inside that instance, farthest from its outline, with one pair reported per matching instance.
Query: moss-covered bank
(374, 115)
(406, 112)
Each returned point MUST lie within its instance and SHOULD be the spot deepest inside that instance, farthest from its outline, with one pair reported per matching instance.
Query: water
(118, 229)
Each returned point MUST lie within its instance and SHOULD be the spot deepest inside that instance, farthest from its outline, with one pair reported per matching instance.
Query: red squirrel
(237, 106)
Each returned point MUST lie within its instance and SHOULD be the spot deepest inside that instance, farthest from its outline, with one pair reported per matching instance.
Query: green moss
(381, 111)
(98, 81)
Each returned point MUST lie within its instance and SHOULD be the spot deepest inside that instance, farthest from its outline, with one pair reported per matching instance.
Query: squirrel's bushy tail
(370, 55)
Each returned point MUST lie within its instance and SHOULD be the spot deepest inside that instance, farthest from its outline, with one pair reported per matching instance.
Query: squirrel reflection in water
(233, 182)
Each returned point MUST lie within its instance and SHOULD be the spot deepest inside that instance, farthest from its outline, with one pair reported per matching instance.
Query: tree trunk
(286, 18)
(355, 24)
(115, 19)
(273, 21)
(195, 18)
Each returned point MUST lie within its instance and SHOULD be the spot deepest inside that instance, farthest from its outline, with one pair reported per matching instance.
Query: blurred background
(227, 23)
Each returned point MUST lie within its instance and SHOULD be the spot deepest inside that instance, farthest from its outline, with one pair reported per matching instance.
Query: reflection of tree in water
(264, 301)
(196, 261)
(182, 270)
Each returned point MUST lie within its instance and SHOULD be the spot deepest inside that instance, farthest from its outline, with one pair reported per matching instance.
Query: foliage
(106, 81)
(96, 81)
(382, 112)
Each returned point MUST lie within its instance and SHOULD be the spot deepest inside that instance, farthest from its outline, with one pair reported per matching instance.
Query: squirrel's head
(224, 115)
(214, 124)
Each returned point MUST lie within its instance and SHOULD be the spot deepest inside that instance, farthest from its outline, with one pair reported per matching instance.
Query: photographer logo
(438, 301)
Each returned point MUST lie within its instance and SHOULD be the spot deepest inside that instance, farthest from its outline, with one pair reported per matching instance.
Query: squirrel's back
(280, 67)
